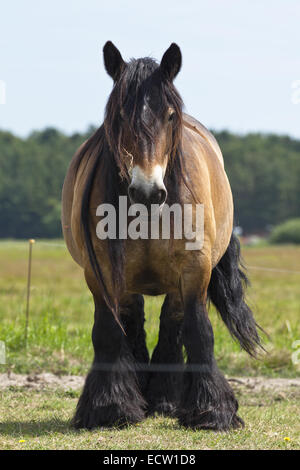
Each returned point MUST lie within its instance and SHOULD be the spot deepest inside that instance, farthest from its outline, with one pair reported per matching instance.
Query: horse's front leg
(133, 319)
(167, 364)
(110, 395)
(207, 400)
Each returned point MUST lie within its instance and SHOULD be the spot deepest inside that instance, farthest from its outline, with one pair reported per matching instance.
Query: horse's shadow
(43, 427)
(36, 428)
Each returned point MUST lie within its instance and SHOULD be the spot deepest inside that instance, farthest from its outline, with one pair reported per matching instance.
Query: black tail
(226, 290)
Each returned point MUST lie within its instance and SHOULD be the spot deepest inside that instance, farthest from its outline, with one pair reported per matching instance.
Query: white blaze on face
(147, 181)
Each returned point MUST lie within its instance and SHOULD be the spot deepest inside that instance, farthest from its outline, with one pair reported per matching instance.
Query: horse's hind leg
(110, 395)
(164, 386)
(207, 400)
(133, 318)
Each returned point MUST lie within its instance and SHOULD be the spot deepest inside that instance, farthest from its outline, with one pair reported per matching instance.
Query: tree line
(263, 170)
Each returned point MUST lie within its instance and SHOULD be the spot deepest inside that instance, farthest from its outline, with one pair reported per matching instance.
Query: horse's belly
(149, 282)
(151, 268)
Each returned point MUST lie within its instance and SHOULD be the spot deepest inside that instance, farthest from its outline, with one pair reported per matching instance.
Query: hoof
(208, 402)
(110, 399)
(215, 420)
(163, 394)
(105, 416)
(162, 408)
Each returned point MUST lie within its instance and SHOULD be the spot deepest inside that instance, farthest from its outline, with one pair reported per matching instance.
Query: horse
(152, 153)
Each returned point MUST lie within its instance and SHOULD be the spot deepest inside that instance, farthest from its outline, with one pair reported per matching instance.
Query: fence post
(31, 242)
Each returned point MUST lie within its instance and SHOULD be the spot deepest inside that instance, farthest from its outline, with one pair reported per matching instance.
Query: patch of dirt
(41, 381)
(258, 384)
(75, 382)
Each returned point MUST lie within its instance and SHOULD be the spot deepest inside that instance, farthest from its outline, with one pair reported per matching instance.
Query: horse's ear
(113, 60)
(171, 62)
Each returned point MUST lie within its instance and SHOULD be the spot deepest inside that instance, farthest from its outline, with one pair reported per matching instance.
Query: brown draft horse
(152, 152)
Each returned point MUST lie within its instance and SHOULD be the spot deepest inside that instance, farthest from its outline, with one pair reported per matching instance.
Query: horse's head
(143, 120)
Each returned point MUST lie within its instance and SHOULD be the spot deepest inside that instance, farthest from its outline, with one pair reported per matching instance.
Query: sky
(241, 60)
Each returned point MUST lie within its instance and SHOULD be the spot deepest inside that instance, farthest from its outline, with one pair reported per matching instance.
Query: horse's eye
(171, 116)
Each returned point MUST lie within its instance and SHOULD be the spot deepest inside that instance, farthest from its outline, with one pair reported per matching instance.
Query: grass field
(40, 420)
(61, 312)
(61, 315)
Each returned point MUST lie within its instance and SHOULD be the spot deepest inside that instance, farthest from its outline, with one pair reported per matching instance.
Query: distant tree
(263, 170)
(287, 232)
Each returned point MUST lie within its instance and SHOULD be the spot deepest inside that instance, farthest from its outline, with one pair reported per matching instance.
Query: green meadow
(40, 420)
(61, 312)
(59, 341)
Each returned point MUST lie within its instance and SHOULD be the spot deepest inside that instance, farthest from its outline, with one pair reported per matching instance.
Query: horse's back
(67, 206)
(192, 123)
(207, 176)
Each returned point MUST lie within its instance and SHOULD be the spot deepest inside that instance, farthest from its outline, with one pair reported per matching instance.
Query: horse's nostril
(158, 196)
(162, 196)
